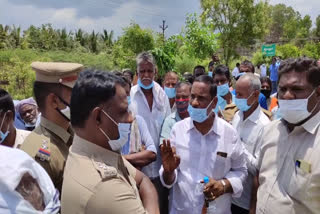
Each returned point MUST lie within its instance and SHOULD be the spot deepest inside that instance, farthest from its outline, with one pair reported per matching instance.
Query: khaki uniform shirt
(97, 180)
(53, 139)
(289, 167)
(21, 135)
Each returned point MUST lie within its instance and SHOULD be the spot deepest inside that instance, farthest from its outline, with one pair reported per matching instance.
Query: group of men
(110, 147)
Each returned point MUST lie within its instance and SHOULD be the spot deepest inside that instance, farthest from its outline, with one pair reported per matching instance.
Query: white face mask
(124, 131)
(295, 111)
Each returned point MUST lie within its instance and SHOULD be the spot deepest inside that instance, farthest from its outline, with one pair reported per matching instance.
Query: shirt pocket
(220, 167)
(299, 183)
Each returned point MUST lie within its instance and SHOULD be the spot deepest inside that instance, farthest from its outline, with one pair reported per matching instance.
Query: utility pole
(163, 27)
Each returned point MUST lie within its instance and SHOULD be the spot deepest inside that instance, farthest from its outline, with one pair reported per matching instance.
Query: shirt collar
(312, 124)
(83, 147)
(175, 116)
(254, 117)
(59, 131)
(214, 127)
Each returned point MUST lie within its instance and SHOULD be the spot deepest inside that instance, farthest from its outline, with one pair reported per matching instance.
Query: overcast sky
(115, 14)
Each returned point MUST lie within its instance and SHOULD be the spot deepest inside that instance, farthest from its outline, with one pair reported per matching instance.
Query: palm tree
(4, 36)
(107, 38)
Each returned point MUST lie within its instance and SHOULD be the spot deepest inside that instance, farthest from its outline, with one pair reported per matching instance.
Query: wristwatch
(224, 185)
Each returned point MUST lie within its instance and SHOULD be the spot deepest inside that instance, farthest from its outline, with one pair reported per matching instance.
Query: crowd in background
(224, 141)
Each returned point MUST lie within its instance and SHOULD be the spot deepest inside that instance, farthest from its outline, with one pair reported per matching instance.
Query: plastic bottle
(212, 208)
(200, 186)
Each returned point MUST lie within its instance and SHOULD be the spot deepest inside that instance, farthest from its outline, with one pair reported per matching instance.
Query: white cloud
(305, 7)
(115, 18)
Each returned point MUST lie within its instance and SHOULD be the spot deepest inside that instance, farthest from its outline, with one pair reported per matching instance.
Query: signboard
(269, 50)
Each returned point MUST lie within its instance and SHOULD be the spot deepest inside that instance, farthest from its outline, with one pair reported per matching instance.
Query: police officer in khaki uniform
(49, 143)
(97, 179)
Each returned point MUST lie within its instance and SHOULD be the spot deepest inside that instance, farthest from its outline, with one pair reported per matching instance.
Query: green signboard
(269, 50)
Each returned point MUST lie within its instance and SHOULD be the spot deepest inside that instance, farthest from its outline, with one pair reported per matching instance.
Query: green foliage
(200, 41)
(317, 29)
(287, 51)
(236, 21)
(184, 63)
(165, 61)
(15, 67)
(136, 39)
(311, 50)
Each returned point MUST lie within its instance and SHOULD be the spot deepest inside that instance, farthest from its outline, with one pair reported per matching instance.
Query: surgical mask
(124, 131)
(129, 100)
(266, 92)
(295, 111)
(199, 114)
(182, 105)
(170, 92)
(144, 86)
(30, 125)
(3, 135)
(66, 111)
(222, 90)
(242, 104)
(210, 73)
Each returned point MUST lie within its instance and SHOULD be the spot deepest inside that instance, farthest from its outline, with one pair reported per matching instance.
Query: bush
(15, 67)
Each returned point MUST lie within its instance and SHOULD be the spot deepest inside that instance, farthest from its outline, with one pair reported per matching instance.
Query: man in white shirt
(203, 145)
(236, 71)
(289, 160)
(9, 135)
(263, 68)
(249, 122)
(149, 101)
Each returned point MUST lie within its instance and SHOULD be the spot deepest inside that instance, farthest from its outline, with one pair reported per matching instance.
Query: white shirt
(199, 158)
(249, 131)
(263, 70)
(21, 135)
(286, 187)
(14, 163)
(154, 119)
(235, 72)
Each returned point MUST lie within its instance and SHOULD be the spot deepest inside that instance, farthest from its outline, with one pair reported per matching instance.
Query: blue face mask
(129, 100)
(170, 92)
(3, 135)
(222, 90)
(242, 104)
(143, 86)
(210, 73)
(199, 114)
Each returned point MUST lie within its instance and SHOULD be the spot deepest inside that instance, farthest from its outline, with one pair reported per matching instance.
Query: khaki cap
(57, 72)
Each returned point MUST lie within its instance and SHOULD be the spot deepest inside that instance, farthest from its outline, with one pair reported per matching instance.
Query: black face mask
(65, 113)
(266, 92)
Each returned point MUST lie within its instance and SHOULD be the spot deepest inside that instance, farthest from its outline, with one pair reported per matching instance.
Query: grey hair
(255, 83)
(145, 57)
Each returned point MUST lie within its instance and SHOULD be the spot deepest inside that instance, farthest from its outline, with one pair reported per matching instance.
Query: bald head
(248, 86)
(251, 80)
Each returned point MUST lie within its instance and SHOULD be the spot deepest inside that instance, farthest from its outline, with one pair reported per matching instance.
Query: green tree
(236, 23)
(4, 33)
(304, 30)
(15, 35)
(137, 39)
(284, 23)
(93, 42)
(317, 28)
(107, 38)
(199, 39)
(288, 51)
(80, 36)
